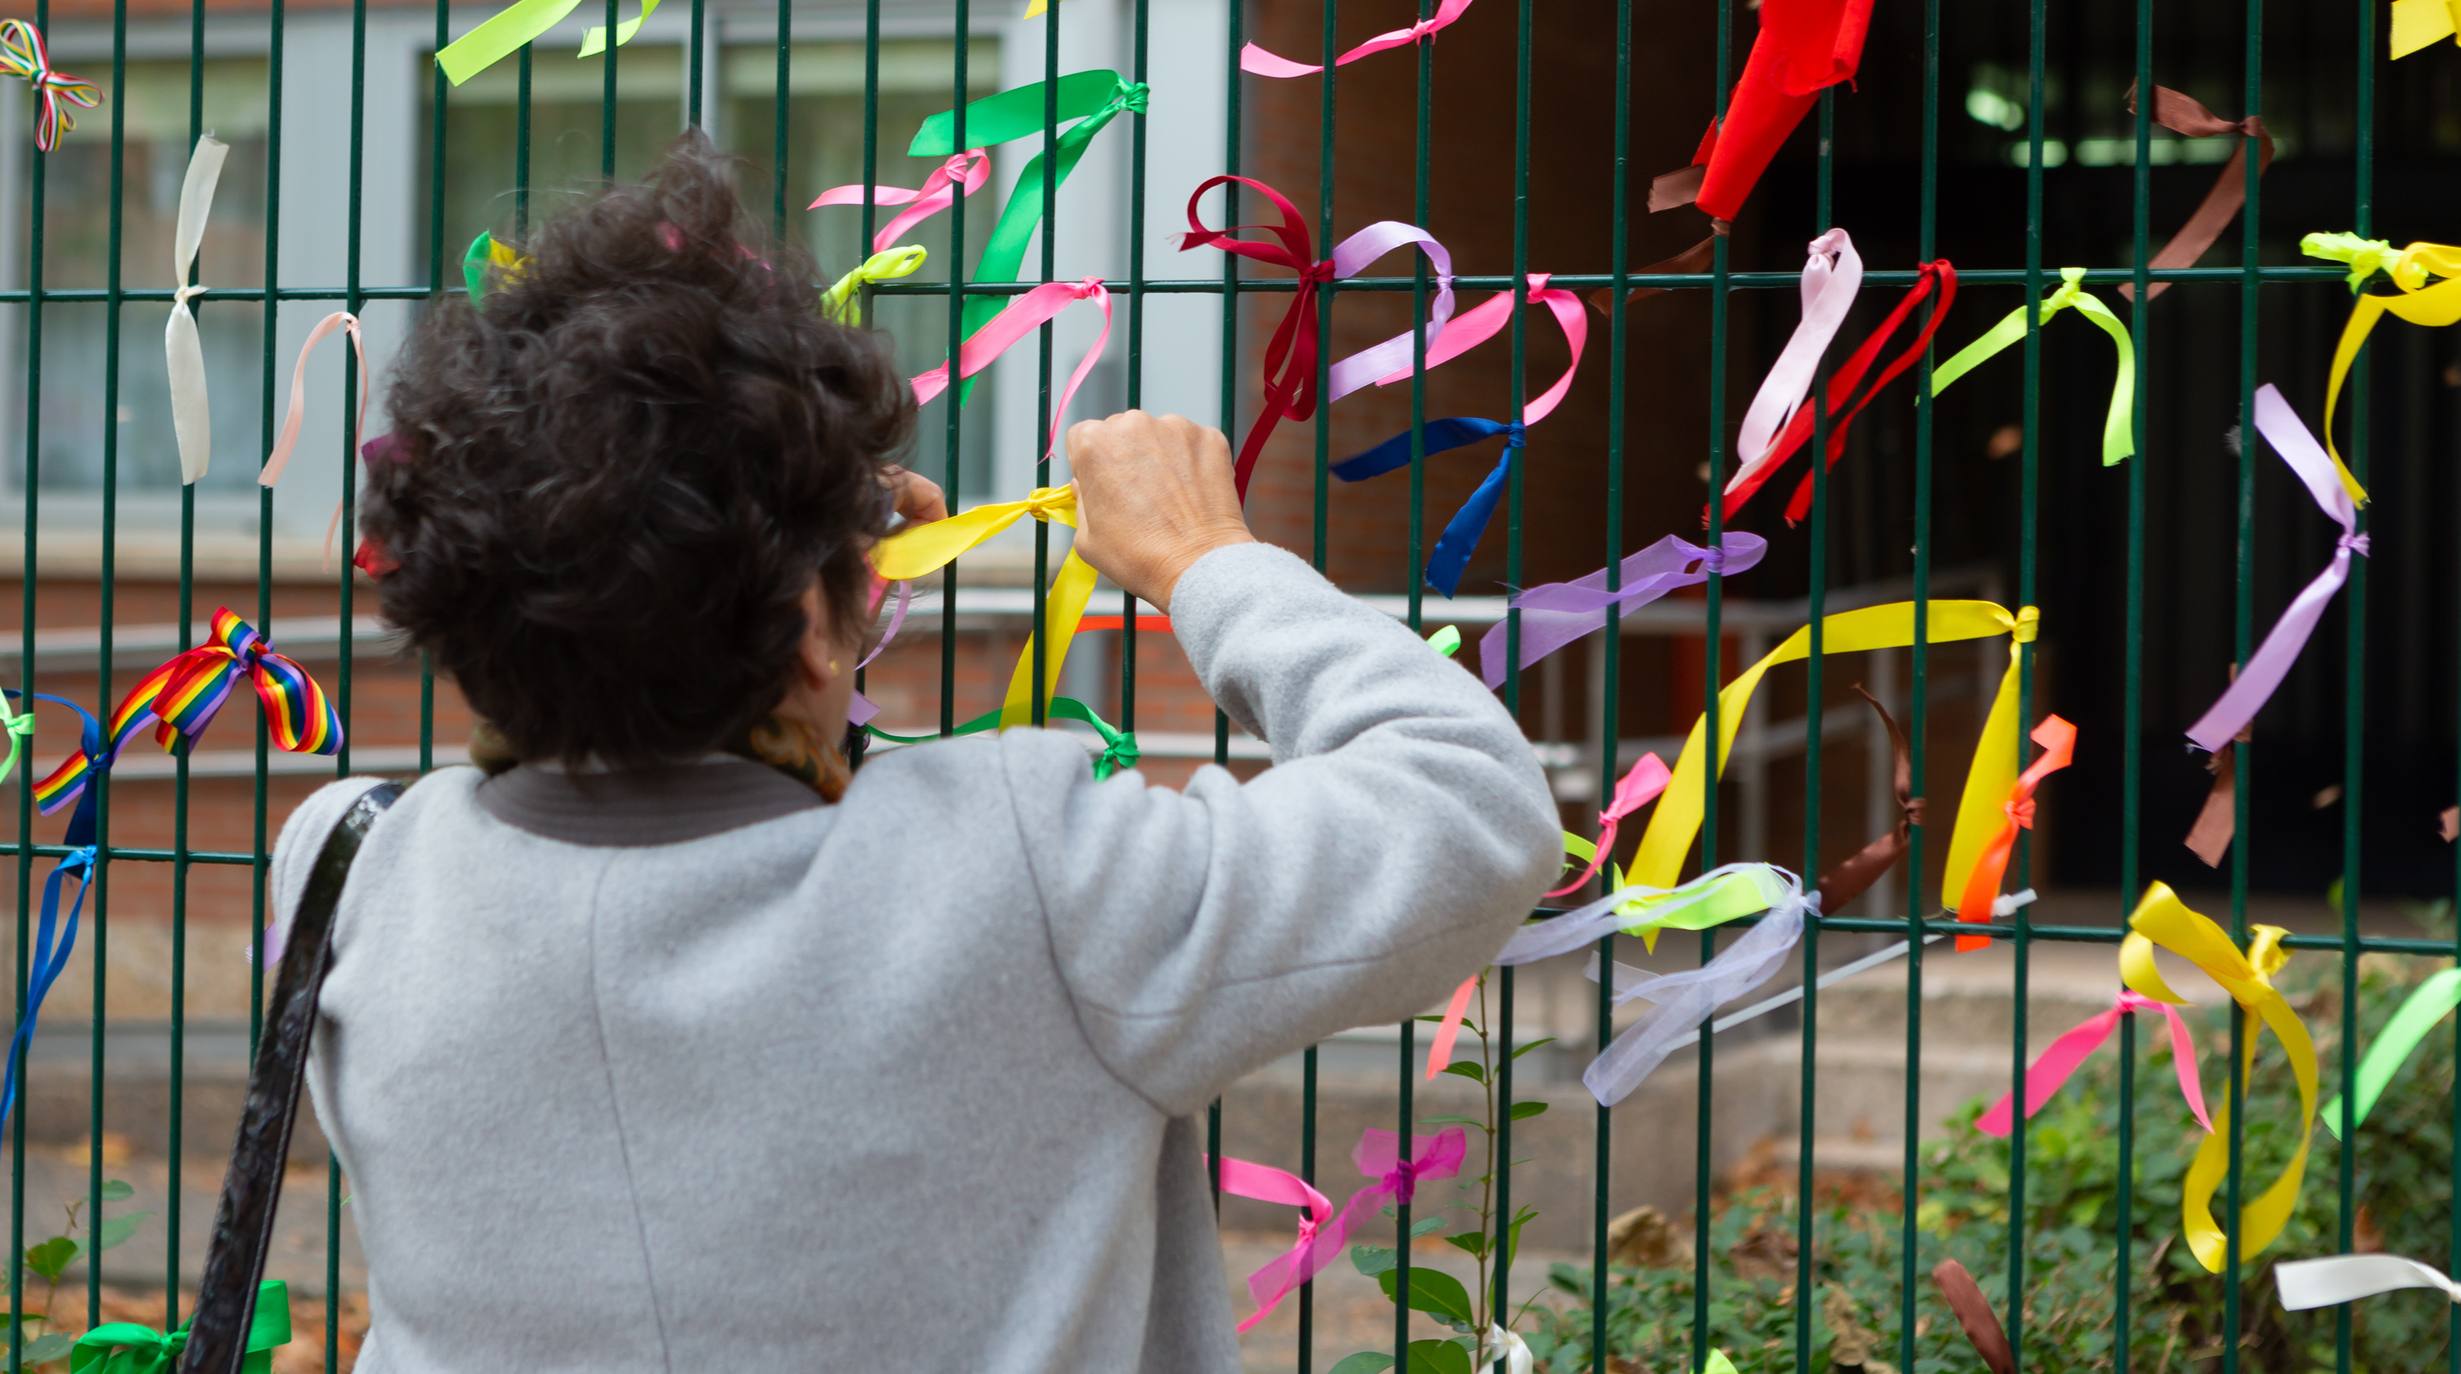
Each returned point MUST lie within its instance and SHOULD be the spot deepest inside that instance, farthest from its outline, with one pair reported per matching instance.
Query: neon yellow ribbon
(920, 549)
(1446, 641)
(2417, 23)
(519, 24)
(2364, 257)
(1717, 1363)
(2432, 307)
(19, 728)
(1677, 818)
(2118, 441)
(1728, 895)
(2432, 1002)
(843, 302)
(2162, 919)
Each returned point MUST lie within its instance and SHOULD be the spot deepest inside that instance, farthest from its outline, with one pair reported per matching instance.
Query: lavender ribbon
(1832, 275)
(1586, 925)
(1558, 613)
(2264, 670)
(1370, 364)
(1685, 1001)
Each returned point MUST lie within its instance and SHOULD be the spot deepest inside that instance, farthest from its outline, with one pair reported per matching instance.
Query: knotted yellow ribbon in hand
(843, 302)
(2118, 441)
(919, 549)
(2162, 919)
(1676, 821)
(2417, 23)
(2430, 306)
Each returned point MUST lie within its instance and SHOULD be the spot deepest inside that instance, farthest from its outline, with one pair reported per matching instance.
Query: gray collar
(658, 804)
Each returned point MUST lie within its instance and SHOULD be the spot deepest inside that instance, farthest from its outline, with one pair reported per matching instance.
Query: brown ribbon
(2209, 839)
(1854, 877)
(1669, 190)
(2183, 115)
(1976, 1314)
(1696, 258)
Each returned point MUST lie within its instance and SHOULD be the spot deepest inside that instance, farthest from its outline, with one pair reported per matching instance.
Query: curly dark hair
(615, 478)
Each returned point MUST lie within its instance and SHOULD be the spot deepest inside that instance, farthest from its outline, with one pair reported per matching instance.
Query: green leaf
(1469, 1069)
(1520, 1050)
(52, 1257)
(118, 1190)
(1433, 1292)
(1523, 1111)
(1437, 1357)
(1372, 1260)
(45, 1349)
(1470, 1121)
(117, 1230)
(1471, 1243)
(1512, 1233)
(1365, 1362)
(1425, 1226)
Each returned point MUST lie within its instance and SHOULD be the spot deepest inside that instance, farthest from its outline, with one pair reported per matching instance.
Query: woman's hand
(1154, 494)
(918, 498)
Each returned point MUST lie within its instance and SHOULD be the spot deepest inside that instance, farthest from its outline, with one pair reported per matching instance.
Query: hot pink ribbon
(1484, 321)
(1258, 62)
(1023, 316)
(1264, 1183)
(1379, 1157)
(2045, 1075)
(1831, 278)
(969, 170)
(1639, 788)
(2272, 660)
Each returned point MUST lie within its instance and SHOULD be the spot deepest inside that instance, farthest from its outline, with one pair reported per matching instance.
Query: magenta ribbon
(2045, 1075)
(1379, 1157)
(1831, 278)
(1639, 788)
(969, 170)
(1264, 1183)
(1557, 613)
(1023, 316)
(1258, 62)
(2265, 669)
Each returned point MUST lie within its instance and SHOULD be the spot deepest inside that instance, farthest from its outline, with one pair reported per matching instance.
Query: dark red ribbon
(1843, 401)
(1290, 355)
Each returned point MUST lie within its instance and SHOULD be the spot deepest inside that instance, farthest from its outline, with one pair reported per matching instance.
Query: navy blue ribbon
(55, 940)
(1462, 532)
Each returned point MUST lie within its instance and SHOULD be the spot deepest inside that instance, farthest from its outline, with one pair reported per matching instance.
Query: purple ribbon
(2265, 669)
(1558, 613)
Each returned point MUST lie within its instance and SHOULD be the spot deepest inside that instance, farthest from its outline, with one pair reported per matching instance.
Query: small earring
(833, 666)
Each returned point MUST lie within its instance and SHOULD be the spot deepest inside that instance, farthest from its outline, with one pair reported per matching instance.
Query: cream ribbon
(183, 353)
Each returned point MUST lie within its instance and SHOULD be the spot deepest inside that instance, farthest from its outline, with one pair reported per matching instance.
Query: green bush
(2402, 1190)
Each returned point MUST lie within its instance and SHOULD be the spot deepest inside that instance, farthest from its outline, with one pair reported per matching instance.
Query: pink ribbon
(2045, 1075)
(1484, 321)
(969, 170)
(1023, 316)
(2265, 669)
(1258, 62)
(859, 708)
(287, 438)
(1379, 1157)
(1639, 788)
(1831, 278)
(1264, 1183)
(1448, 1027)
(1557, 613)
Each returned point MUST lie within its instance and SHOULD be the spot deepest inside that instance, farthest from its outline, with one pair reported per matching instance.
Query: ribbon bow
(1290, 355)
(2263, 673)
(1804, 47)
(1395, 1176)
(1557, 613)
(962, 175)
(2118, 442)
(2419, 1012)
(1258, 62)
(1847, 394)
(2347, 1278)
(2161, 919)
(489, 254)
(1092, 99)
(182, 352)
(19, 727)
(2418, 23)
(2431, 307)
(516, 26)
(1264, 1183)
(2048, 1073)
(23, 54)
(185, 693)
(1119, 747)
(1982, 885)
(134, 1348)
(1461, 533)
(1022, 317)
(2186, 116)
(843, 301)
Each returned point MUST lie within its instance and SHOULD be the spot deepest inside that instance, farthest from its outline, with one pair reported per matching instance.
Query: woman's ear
(820, 657)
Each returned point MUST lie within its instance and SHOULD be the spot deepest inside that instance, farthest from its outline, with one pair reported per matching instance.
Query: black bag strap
(243, 1221)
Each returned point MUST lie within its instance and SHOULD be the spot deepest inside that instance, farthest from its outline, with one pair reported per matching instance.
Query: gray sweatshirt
(680, 1069)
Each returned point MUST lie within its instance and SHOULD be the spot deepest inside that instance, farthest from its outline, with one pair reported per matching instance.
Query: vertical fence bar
(25, 666)
(2354, 719)
(355, 300)
(1234, 15)
(1141, 42)
(2132, 677)
(1040, 643)
(951, 467)
(269, 325)
(1320, 499)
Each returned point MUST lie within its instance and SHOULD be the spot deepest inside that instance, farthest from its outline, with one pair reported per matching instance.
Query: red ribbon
(1804, 47)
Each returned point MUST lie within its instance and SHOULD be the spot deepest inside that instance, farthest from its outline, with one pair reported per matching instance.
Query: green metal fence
(1921, 915)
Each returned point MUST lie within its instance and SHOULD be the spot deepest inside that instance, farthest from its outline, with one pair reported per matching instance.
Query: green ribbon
(19, 728)
(2364, 257)
(2432, 1002)
(1119, 747)
(487, 255)
(843, 302)
(135, 1348)
(1091, 98)
(2118, 443)
(1446, 641)
(516, 26)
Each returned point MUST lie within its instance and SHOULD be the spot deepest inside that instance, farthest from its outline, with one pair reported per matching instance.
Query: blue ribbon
(1462, 532)
(54, 940)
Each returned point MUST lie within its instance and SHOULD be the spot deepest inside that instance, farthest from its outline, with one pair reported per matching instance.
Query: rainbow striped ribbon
(24, 55)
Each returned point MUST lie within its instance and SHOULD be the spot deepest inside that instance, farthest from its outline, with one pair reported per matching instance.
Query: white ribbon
(1686, 1000)
(183, 353)
(1831, 277)
(1585, 925)
(2346, 1278)
(1504, 1345)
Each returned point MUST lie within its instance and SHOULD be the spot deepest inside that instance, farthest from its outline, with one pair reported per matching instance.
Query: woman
(655, 1043)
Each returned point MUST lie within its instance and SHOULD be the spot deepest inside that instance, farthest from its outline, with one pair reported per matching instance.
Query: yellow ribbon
(2364, 257)
(843, 302)
(2118, 439)
(516, 26)
(2430, 306)
(2162, 919)
(1993, 771)
(2417, 23)
(920, 549)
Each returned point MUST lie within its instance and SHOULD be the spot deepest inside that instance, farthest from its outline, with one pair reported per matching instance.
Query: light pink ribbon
(1264, 1183)
(1485, 320)
(1023, 316)
(969, 170)
(1640, 787)
(1371, 364)
(287, 438)
(1831, 277)
(2272, 661)
(1258, 62)
(2045, 1075)
(859, 708)
(1395, 1178)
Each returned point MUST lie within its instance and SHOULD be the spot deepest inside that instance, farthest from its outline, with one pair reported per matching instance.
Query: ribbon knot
(21, 726)
(843, 301)
(1401, 1181)
(2071, 285)
(1317, 273)
(2028, 624)
(2356, 543)
(1711, 560)
(134, 1348)
(1131, 96)
(2021, 812)
(1516, 435)
(2364, 257)
(187, 692)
